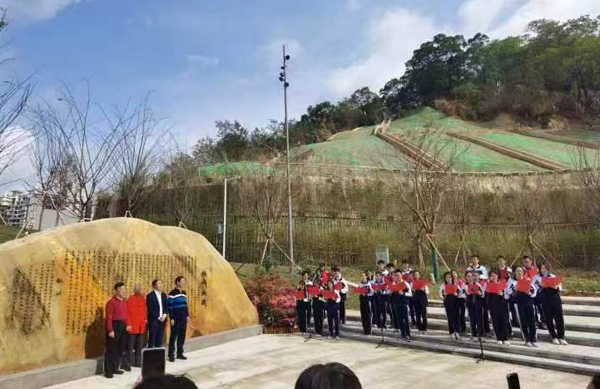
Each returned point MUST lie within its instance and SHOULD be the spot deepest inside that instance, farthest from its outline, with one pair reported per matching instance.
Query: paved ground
(275, 361)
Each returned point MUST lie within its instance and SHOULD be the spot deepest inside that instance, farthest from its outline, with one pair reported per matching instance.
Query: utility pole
(224, 216)
(283, 79)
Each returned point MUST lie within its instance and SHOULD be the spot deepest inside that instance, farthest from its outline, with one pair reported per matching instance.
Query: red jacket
(136, 314)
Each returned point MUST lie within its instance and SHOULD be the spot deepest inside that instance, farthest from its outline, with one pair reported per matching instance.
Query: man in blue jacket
(178, 312)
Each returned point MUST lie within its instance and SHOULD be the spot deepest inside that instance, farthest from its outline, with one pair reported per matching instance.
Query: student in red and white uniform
(506, 273)
(451, 306)
(318, 308)
(400, 302)
(338, 279)
(552, 305)
(531, 270)
(475, 296)
(365, 304)
(303, 304)
(408, 275)
(525, 307)
(333, 311)
(498, 307)
(461, 302)
(380, 297)
(390, 308)
(420, 301)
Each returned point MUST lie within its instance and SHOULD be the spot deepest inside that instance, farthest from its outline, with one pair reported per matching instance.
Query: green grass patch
(7, 233)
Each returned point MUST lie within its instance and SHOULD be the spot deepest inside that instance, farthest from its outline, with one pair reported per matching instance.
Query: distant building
(19, 208)
(15, 208)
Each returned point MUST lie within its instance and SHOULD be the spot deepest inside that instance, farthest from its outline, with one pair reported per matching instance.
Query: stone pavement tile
(274, 362)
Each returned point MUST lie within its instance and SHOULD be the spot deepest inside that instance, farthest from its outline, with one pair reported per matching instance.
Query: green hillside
(428, 129)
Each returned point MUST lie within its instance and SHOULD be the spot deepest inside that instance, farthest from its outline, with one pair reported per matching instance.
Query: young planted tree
(139, 154)
(78, 146)
(422, 180)
(266, 197)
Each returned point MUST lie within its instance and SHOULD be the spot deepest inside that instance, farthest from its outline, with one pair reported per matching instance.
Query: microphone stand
(479, 334)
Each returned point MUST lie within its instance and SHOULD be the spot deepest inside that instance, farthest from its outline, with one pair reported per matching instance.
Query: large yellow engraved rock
(54, 286)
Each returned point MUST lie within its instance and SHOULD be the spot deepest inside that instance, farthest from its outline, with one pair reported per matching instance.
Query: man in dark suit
(156, 304)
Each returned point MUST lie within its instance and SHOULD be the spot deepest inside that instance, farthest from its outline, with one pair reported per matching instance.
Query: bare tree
(139, 154)
(14, 96)
(533, 207)
(421, 180)
(266, 191)
(178, 172)
(458, 209)
(587, 165)
(84, 142)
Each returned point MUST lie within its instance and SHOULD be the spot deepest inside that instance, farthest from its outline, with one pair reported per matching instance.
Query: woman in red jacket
(136, 325)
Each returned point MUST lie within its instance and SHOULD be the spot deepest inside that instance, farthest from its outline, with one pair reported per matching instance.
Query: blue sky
(209, 60)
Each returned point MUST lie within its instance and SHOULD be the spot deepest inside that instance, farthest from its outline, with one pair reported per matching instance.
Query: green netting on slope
(360, 151)
(470, 157)
(354, 134)
(554, 151)
(429, 118)
(579, 134)
(232, 169)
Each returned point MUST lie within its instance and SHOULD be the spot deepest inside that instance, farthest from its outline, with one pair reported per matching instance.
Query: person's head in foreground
(329, 376)
(167, 382)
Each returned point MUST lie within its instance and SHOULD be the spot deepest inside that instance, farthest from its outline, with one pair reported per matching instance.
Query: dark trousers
(365, 314)
(421, 315)
(391, 311)
(333, 318)
(540, 312)
(157, 333)
(302, 310)
(486, 316)
(382, 307)
(499, 310)
(526, 314)
(318, 308)
(475, 308)
(554, 315)
(402, 321)
(115, 348)
(411, 306)
(373, 304)
(177, 337)
(514, 317)
(135, 343)
(343, 308)
(462, 312)
(451, 307)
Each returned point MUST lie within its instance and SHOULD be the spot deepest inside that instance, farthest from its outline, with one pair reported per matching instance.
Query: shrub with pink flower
(273, 297)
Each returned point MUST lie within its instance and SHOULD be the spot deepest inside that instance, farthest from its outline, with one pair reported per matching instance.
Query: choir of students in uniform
(528, 298)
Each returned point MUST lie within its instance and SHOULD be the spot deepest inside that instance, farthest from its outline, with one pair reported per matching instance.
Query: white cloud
(390, 42)
(35, 9)
(202, 60)
(545, 9)
(479, 15)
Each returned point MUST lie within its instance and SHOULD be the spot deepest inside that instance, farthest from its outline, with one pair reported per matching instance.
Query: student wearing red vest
(137, 317)
(531, 271)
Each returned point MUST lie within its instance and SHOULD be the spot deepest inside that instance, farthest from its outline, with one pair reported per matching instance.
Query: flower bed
(272, 296)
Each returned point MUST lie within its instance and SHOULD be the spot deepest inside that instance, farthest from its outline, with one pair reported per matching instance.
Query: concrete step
(576, 300)
(572, 323)
(568, 309)
(544, 363)
(572, 353)
(581, 338)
